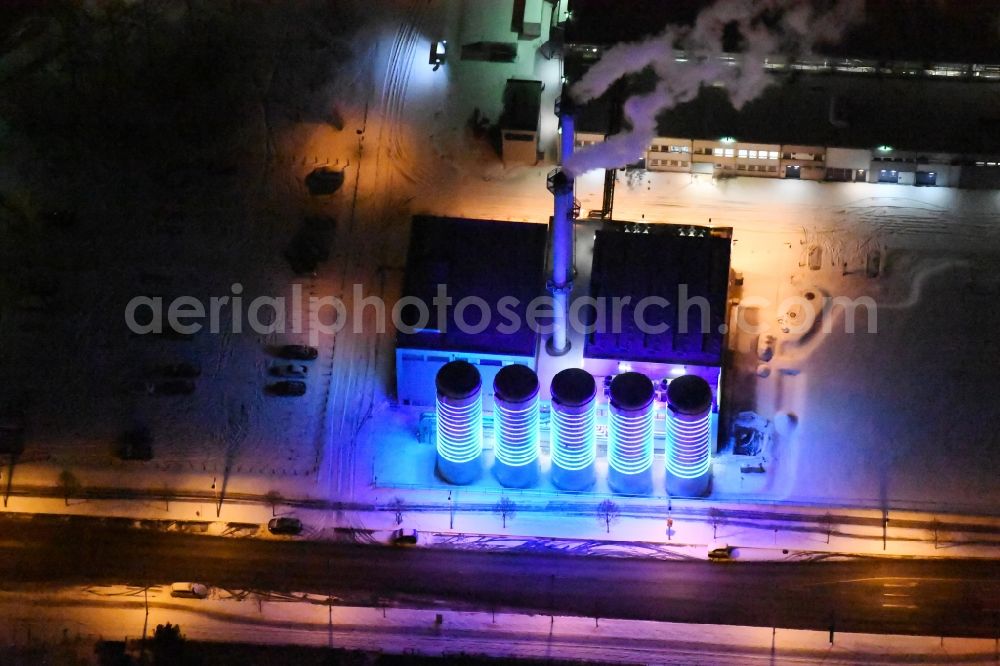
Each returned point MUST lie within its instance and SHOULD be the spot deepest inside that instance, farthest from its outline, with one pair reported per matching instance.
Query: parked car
(189, 590)
(284, 525)
(180, 370)
(290, 389)
(290, 370)
(403, 537)
(175, 387)
(724, 554)
(298, 352)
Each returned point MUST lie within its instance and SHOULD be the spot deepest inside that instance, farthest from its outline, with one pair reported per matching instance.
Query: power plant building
(675, 319)
(474, 261)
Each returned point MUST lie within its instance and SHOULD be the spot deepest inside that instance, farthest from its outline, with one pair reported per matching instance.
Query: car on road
(723, 554)
(289, 389)
(284, 525)
(403, 537)
(298, 352)
(290, 370)
(189, 590)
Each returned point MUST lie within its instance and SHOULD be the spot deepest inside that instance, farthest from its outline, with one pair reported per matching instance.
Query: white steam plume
(766, 26)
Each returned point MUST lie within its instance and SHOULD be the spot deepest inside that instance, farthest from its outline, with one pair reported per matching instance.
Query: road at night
(943, 597)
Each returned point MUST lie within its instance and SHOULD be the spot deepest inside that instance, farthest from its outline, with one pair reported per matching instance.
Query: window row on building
(883, 164)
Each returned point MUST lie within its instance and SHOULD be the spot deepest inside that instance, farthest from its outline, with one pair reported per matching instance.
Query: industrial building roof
(522, 100)
(833, 110)
(679, 264)
(487, 259)
(851, 112)
(907, 110)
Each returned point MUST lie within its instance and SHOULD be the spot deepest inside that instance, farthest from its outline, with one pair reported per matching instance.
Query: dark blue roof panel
(487, 259)
(683, 265)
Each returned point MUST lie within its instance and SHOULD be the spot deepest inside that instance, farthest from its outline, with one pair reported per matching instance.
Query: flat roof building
(473, 259)
(522, 101)
(676, 280)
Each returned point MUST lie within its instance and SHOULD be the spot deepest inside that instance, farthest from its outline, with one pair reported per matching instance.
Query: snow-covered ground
(85, 615)
(896, 417)
(900, 418)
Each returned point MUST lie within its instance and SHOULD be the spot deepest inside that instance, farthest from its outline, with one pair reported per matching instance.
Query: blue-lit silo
(515, 426)
(689, 455)
(630, 434)
(459, 422)
(572, 429)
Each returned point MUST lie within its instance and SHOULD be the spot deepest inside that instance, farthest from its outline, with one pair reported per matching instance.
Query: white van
(189, 590)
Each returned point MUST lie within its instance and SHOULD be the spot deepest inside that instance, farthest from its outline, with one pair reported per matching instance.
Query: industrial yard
(902, 446)
(737, 328)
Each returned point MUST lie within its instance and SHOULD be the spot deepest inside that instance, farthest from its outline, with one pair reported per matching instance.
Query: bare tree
(608, 513)
(936, 529)
(397, 506)
(505, 508)
(827, 520)
(168, 494)
(273, 499)
(716, 517)
(69, 484)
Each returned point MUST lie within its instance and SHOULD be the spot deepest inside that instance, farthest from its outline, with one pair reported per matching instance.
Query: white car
(189, 590)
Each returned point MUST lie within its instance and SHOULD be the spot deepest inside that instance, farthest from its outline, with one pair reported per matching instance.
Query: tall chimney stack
(560, 183)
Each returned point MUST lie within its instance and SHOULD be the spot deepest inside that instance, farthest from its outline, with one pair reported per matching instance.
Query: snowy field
(86, 615)
(901, 417)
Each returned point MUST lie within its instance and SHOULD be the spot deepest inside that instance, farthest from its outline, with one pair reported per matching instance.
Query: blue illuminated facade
(460, 430)
(459, 422)
(630, 441)
(572, 429)
(517, 434)
(688, 455)
(515, 426)
(689, 429)
(489, 406)
(630, 434)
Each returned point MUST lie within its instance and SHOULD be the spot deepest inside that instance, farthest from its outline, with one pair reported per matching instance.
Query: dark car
(298, 352)
(288, 388)
(724, 554)
(403, 537)
(284, 525)
(180, 370)
(175, 387)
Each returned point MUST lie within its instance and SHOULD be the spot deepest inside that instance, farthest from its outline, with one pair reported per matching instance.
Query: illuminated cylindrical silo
(630, 434)
(572, 429)
(459, 422)
(515, 426)
(689, 455)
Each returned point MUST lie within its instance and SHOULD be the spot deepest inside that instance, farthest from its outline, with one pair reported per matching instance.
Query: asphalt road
(940, 597)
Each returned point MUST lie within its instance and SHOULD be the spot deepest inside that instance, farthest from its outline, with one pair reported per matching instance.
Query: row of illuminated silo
(572, 430)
